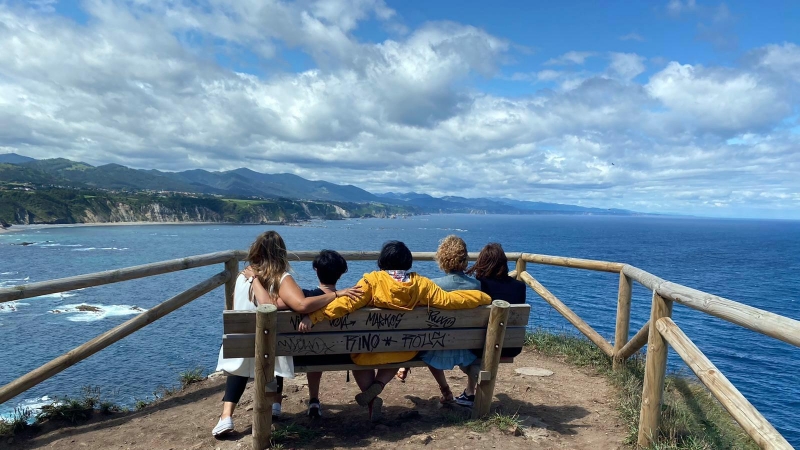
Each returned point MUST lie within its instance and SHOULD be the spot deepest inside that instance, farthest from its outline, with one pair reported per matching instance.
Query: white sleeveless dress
(245, 367)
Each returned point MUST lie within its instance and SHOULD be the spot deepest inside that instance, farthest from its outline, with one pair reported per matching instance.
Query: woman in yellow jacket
(392, 287)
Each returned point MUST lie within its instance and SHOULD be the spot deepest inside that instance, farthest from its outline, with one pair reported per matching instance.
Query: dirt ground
(571, 409)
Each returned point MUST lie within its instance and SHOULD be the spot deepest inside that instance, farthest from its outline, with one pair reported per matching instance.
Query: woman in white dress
(266, 281)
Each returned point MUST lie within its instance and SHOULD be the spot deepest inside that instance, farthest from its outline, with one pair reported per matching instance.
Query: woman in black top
(491, 269)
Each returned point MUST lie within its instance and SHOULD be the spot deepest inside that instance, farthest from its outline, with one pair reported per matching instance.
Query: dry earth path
(571, 409)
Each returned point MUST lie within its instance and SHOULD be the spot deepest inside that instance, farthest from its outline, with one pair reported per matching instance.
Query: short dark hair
(491, 263)
(330, 266)
(395, 256)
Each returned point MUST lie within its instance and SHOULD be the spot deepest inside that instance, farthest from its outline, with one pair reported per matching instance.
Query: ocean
(749, 261)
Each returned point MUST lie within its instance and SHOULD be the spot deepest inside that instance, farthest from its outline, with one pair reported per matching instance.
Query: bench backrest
(375, 330)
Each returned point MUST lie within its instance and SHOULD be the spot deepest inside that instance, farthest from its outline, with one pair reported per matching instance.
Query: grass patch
(17, 423)
(291, 435)
(691, 418)
(191, 376)
(502, 422)
(72, 410)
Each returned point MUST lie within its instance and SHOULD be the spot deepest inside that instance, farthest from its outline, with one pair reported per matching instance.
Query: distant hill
(13, 158)
(453, 204)
(246, 183)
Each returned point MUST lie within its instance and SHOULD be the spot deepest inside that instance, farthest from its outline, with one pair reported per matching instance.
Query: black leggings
(234, 387)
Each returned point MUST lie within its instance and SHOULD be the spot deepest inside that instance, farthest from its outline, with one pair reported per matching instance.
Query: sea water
(750, 261)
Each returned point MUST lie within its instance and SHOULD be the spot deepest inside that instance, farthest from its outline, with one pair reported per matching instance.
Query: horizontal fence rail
(659, 331)
(758, 320)
(111, 336)
(576, 263)
(112, 276)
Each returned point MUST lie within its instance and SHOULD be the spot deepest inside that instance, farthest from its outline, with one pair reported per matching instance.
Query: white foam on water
(58, 295)
(97, 312)
(88, 249)
(8, 273)
(85, 249)
(10, 307)
(13, 281)
(61, 245)
(34, 405)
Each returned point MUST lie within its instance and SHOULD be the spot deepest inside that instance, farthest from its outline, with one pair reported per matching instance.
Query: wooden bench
(267, 333)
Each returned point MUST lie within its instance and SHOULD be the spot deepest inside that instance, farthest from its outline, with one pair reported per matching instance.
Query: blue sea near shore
(750, 261)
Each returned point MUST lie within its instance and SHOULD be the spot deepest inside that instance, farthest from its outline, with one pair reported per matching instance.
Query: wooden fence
(658, 333)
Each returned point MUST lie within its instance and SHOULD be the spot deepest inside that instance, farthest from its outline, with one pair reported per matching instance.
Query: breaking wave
(85, 312)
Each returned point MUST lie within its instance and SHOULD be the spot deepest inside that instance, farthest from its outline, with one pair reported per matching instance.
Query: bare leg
(227, 409)
(472, 382)
(384, 376)
(364, 378)
(314, 379)
(439, 376)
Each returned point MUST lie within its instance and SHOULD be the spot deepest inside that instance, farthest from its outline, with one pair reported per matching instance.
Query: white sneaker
(276, 410)
(314, 410)
(224, 426)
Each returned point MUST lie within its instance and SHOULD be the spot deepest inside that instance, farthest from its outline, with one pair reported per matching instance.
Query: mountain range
(246, 183)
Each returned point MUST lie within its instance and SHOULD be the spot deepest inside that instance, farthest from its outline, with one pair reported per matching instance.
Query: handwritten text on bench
(410, 341)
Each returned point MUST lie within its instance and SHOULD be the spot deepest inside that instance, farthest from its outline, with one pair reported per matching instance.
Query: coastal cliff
(64, 206)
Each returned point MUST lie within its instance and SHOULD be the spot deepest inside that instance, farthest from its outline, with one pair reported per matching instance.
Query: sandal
(402, 373)
(447, 395)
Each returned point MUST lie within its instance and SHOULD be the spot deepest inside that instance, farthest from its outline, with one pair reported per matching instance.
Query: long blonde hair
(269, 260)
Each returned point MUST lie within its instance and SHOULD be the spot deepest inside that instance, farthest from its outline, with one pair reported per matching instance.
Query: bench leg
(495, 335)
(266, 342)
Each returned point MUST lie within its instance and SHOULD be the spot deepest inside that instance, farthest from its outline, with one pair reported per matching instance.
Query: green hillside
(59, 206)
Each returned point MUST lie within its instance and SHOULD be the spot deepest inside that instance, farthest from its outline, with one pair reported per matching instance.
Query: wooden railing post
(654, 373)
(232, 267)
(266, 343)
(495, 335)
(623, 317)
(522, 266)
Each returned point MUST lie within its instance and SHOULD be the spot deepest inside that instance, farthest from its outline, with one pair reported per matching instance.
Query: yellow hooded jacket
(383, 291)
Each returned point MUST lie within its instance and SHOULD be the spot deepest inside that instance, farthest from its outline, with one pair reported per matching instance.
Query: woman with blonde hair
(266, 281)
(451, 256)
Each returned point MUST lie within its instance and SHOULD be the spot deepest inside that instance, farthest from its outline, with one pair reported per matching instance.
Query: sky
(671, 106)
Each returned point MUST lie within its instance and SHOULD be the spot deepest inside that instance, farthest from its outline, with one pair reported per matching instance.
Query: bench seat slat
(235, 322)
(343, 367)
(299, 344)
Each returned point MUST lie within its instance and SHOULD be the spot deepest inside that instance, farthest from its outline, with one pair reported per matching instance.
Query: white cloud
(626, 65)
(783, 59)
(678, 7)
(632, 37)
(139, 85)
(572, 57)
(717, 99)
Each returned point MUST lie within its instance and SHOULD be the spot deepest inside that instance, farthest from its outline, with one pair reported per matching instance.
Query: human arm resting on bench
(343, 306)
(432, 295)
(291, 296)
